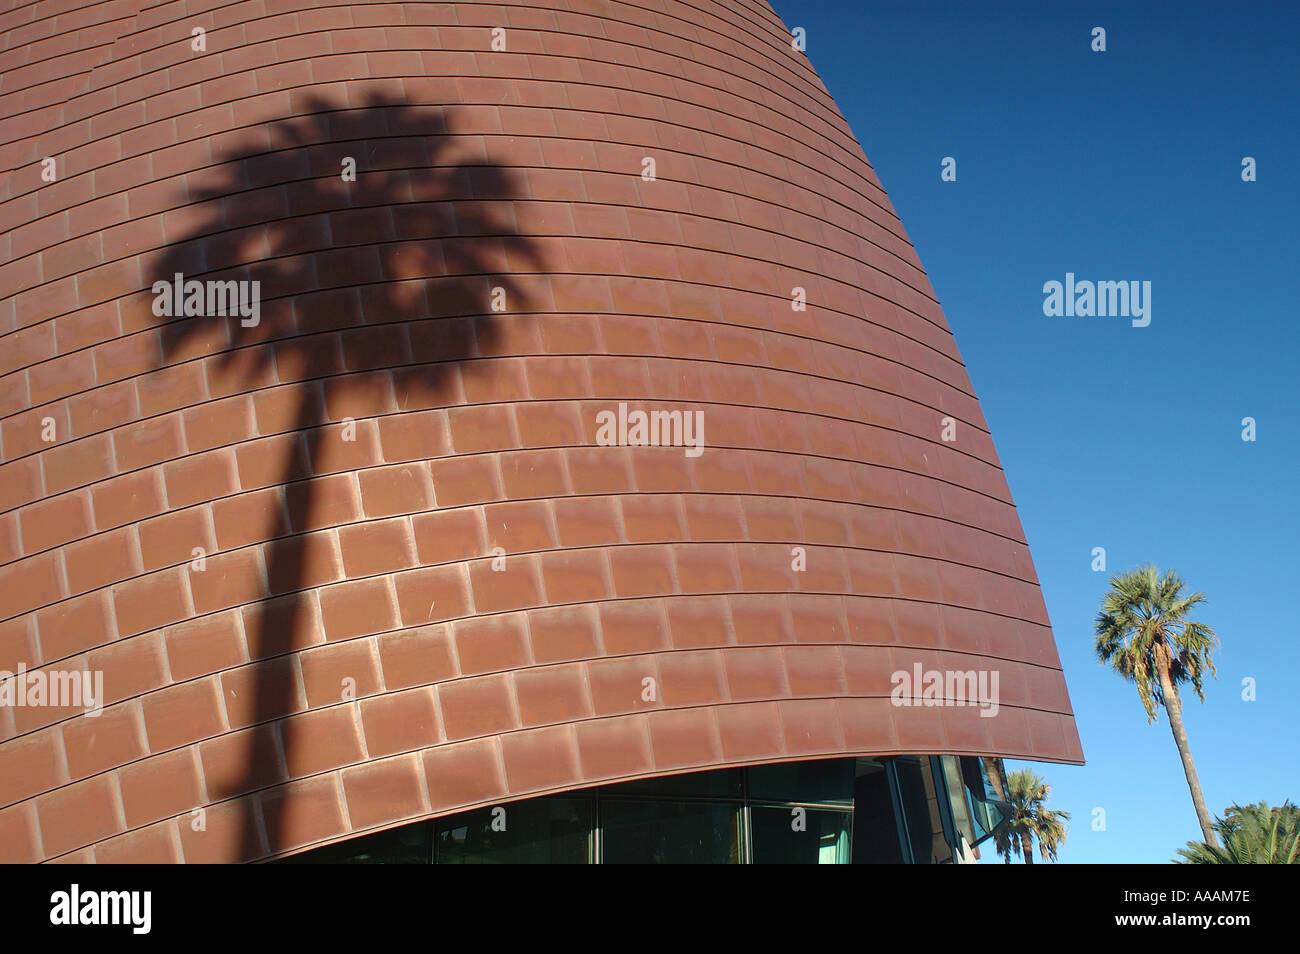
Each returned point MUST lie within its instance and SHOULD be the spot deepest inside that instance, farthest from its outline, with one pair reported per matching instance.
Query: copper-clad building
(345, 529)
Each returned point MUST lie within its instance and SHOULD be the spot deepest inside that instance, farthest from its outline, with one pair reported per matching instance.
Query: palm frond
(1252, 834)
(1143, 625)
(1030, 820)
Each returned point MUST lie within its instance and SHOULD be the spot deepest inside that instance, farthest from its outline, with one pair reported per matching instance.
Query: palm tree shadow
(421, 241)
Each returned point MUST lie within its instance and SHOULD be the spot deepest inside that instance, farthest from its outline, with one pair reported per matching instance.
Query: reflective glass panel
(552, 831)
(669, 832)
(825, 781)
(797, 836)
(916, 808)
(724, 783)
(875, 825)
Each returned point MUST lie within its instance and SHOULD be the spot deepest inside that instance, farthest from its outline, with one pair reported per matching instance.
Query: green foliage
(1030, 819)
(1143, 626)
(1252, 834)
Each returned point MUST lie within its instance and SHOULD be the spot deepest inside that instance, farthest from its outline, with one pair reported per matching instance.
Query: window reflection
(829, 780)
(915, 797)
(669, 832)
(726, 783)
(553, 831)
(889, 810)
(799, 836)
(876, 831)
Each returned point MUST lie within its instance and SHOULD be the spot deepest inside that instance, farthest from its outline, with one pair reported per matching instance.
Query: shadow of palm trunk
(282, 622)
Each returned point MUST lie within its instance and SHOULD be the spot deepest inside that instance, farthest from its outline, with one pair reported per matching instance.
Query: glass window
(942, 824)
(829, 780)
(798, 836)
(915, 803)
(905, 809)
(984, 782)
(665, 832)
(408, 845)
(724, 783)
(875, 824)
(959, 800)
(540, 831)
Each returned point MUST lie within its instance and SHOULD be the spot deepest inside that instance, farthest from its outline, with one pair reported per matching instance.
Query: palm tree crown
(1143, 629)
(1252, 834)
(1030, 819)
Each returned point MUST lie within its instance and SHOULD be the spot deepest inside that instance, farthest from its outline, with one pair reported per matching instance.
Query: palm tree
(1143, 631)
(1030, 819)
(1252, 834)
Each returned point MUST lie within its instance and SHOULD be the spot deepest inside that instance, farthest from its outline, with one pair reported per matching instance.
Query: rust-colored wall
(474, 685)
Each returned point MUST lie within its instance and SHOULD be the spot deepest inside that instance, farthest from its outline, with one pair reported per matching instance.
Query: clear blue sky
(1117, 166)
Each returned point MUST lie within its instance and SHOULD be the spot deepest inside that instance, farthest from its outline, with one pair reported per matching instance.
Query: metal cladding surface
(360, 554)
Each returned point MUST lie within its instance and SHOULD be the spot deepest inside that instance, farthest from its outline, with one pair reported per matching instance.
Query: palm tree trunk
(1174, 709)
(1027, 846)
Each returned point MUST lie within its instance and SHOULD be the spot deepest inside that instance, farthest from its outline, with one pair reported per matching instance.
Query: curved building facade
(408, 409)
